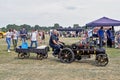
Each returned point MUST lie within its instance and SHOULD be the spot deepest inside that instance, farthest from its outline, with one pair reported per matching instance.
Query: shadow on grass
(57, 60)
(85, 61)
(82, 62)
(30, 58)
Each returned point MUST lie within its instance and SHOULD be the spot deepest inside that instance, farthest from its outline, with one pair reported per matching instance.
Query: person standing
(14, 38)
(117, 41)
(8, 39)
(101, 36)
(109, 37)
(34, 38)
(23, 34)
(42, 37)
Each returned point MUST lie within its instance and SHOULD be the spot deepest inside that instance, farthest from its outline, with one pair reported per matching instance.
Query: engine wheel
(40, 56)
(66, 55)
(21, 55)
(101, 60)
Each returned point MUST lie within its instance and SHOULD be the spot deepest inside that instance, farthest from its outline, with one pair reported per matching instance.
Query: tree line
(29, 27)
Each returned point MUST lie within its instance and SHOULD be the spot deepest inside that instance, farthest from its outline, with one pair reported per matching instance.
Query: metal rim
(101, 60)
(66, 55)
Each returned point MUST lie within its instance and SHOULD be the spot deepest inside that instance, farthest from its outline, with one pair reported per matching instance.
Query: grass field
(12, 68)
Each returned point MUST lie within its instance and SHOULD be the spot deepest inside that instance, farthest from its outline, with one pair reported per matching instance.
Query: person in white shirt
(14, 38)
(34, 38)
(8, 39)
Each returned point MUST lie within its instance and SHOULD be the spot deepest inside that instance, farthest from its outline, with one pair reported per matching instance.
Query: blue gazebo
(104, 21)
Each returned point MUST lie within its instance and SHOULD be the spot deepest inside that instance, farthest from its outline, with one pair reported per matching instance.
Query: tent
(104, 21)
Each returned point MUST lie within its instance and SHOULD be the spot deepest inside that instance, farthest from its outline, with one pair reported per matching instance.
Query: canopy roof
(104, 21)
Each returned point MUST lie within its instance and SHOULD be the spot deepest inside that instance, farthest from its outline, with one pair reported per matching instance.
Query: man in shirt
(101, 36)
(110, 37)
(54, 42)
(23, 34)
(34, 38)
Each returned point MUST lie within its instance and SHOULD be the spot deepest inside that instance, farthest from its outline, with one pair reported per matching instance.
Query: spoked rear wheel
(66, 55)
(101, 60)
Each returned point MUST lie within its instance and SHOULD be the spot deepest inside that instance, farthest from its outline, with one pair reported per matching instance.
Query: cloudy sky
(64, 12)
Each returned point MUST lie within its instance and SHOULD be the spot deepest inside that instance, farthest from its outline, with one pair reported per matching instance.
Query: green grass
(12, 68)
(113, 52)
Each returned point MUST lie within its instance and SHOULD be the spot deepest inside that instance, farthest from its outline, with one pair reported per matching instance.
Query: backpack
(24, 45)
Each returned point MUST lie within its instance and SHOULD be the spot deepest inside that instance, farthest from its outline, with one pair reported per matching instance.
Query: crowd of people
(109, 37)
(38, 37)
(14, 35)
(103, 37)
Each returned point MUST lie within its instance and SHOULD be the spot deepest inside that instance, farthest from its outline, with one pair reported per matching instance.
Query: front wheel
(101, 60)
(66, 55)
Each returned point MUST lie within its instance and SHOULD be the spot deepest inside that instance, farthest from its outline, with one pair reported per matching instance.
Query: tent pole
(113, 31)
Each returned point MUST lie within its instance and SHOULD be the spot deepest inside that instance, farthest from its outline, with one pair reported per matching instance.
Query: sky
(64, 12)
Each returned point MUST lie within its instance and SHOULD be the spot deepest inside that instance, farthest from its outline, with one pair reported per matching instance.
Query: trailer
(41, 51)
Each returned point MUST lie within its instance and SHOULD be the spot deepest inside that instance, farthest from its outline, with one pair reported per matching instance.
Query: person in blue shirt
(54, 42)
(110, 37)
(101, 36)
(23, 35)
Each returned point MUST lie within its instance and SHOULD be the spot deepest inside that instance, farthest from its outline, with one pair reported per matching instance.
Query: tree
(37, 27)
(56, 25)
(3, 29)
(76, 26)
(12, 26)
(27, 27)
